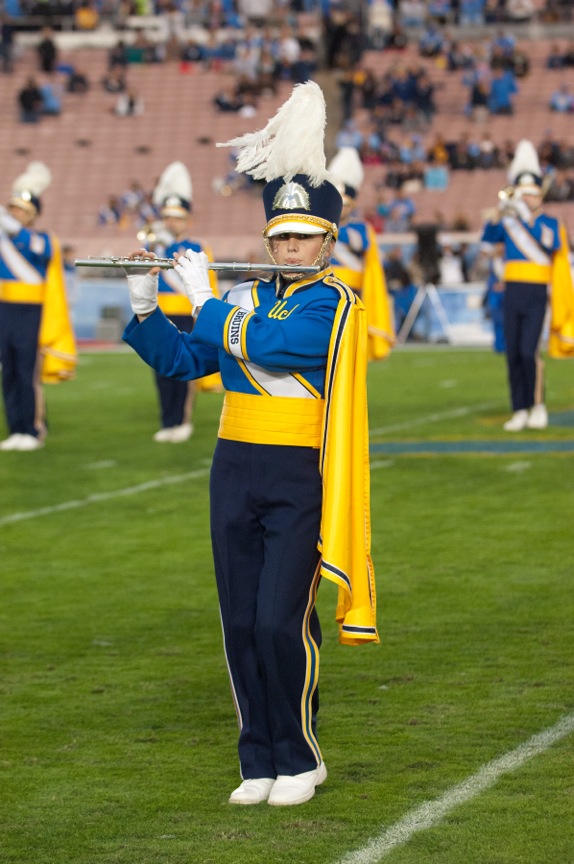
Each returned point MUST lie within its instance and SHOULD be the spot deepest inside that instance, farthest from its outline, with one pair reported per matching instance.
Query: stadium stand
(94, 154)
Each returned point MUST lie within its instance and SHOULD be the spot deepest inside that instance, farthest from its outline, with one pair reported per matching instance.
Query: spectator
(435, 175)
(555, 59)
(520, 11)
(77, 81)
(471, 12)
(6, 43)
(450, 266)
(502, 88)
(431, 42)
(118, 56)
(111, 213)
(86, 16)
(412, 13)
(129, 104)
(562, 100)
(349, 136)
(114, 81)
(47, 51)
(401, 213)
(561, 187)
(399, 284)
(51, 98)
(30, 102)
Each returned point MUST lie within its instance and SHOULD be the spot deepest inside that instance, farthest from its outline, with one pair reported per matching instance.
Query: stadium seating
(94, 154)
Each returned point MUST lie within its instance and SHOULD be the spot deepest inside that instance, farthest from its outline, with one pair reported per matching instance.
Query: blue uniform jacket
(263, 341)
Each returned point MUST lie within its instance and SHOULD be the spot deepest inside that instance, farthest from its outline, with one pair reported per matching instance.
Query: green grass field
(118, 736)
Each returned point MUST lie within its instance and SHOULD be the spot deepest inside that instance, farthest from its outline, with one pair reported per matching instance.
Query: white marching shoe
(538, 417)
(174, 434)
(181, 433)
(19, 441)
(252, 791)
(11, 443)
(517, 422)
(29, 442)
(288, 790)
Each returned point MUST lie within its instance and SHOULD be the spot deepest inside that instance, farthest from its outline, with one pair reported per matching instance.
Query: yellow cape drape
(57, 343)
(561, 338)
(375, 296)
(371, 286)
(345, 543)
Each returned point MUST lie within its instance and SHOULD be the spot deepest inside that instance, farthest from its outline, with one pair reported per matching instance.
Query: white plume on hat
(525, 161)
(291, 143)
(347, 169)
(35, 179)
(175, 180)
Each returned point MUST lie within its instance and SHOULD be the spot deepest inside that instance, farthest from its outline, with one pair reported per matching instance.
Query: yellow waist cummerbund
(21, 292)
(526, 271)
(173, 304)
(271, 420)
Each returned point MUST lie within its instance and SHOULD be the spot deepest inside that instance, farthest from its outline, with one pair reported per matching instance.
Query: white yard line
(433, 418)
(102, 496)
(430, 813)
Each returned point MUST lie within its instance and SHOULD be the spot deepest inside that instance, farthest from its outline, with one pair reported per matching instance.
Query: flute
(169, 264)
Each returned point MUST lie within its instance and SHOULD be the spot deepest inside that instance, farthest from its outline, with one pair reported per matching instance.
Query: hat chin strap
(320, 258)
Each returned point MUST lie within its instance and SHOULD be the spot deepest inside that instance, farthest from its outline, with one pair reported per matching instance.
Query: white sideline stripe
(103, 496)
(432, 418)
(431, 812)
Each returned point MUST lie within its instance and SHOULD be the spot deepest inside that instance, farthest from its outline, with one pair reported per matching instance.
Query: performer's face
(176, 225)
(534, 201)
(305, 249)
(24, 216)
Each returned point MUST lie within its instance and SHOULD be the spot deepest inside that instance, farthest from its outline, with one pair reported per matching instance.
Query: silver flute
(169, 264)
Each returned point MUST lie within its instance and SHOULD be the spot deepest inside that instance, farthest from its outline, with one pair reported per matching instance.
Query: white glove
(193, 272)
(143, 292)
(8, 223)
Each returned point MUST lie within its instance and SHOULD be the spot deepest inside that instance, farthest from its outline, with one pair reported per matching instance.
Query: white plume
(346, 168)
(174, 180)
(35, 179)
(291, 143)
(525, 161)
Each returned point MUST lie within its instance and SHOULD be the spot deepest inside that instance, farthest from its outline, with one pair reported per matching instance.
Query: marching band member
(36, 339)
(356, 259)
(535, 259)
(173, 196)
(290, 475)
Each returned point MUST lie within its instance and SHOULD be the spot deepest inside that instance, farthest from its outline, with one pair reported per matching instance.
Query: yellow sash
(561, 339)
(57, 343)
(345, 543)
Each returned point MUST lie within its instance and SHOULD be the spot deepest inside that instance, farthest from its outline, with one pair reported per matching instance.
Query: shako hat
(347, 172)
(524, 172)
(289, 155)
(28, 187)
(173, 193)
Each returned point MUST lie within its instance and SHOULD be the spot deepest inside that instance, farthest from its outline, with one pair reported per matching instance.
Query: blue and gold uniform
(535, 266)
(36, 338)
(289, 487)
(528, 250)
(173, 196)
(279, 349)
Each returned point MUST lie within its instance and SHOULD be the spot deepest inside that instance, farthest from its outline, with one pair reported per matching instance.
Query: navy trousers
(19, 329)
(173, 394)
(524, 311)
(265, 523)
